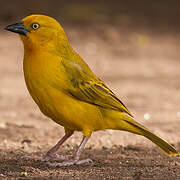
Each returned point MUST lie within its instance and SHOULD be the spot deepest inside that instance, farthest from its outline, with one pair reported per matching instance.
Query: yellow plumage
(66, 90)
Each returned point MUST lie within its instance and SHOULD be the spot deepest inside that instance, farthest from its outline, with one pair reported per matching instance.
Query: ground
(141, 67)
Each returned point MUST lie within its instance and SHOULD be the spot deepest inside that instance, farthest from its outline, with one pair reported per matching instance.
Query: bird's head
(38, 31)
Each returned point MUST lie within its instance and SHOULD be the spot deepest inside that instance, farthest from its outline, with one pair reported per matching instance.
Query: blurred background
(161, 14)
(131, 45)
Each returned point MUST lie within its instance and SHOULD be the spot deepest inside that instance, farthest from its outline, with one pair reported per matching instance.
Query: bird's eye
(35, 26)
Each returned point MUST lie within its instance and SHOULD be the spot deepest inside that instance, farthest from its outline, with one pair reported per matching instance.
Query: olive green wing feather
(85, 86)
(98, 94)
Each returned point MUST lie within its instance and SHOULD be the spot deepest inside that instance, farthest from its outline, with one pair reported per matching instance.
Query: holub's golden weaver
(67, 91)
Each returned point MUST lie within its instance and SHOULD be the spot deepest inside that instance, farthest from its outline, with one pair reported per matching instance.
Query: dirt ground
(141, 67)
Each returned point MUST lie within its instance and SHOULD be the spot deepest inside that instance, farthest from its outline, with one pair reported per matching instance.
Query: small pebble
(24, 174)
(147, 116)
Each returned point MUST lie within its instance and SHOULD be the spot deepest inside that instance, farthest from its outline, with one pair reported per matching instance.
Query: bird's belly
(66, 110)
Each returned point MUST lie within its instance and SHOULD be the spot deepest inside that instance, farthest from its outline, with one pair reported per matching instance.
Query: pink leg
(81, 148)
(51, 154)
(75, 160)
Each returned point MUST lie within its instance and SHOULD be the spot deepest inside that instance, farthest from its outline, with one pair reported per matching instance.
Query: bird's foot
(70, 163)
(54, 157)
(47, 157)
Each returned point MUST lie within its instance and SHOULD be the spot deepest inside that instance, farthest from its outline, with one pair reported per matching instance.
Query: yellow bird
(67, 91)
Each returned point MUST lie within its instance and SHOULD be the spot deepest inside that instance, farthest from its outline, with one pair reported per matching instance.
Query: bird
(68, 92)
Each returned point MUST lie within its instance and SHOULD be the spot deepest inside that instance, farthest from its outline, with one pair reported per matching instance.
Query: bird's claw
(53, 157)
(45, 158)
(70, 163)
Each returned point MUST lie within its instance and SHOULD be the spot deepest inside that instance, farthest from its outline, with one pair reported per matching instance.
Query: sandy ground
(141, 67)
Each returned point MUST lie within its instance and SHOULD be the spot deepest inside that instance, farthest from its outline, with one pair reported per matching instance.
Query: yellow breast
(41, 78)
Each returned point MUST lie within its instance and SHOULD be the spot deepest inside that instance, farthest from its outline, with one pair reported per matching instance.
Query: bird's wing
(85, 86)
(98, 94)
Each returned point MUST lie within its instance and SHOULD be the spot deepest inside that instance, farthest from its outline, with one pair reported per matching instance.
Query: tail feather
(134, 127)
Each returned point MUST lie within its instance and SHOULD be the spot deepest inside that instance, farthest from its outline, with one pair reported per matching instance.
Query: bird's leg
(80, 148)
(75, 160)
(51, 154)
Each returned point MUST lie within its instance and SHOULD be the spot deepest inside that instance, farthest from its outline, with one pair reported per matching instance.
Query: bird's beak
(17, 28)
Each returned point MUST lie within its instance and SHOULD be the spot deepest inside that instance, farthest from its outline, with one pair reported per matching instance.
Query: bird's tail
(129, 124)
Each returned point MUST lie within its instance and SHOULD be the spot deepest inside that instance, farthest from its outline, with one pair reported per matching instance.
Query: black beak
(17, 28)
